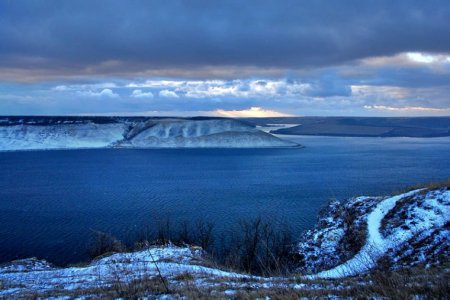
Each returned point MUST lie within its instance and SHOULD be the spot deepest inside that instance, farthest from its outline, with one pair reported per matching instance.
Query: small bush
(104, 243)
(259, 246)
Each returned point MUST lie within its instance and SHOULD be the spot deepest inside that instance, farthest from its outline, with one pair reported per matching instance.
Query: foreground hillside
(401, 231)
(28, 133)
(405, 237)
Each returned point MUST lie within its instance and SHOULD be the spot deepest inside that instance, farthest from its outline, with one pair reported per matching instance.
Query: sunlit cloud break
(428, 58)
(252, 112)
(409, 59)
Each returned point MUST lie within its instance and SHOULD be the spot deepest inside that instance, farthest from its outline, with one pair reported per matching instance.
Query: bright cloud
(107, 93)
(253, 112)
(141, 94)
(231, 88)
(168, 94)
(421, 57)
(409, 59)
(81, 87)
(156, 84)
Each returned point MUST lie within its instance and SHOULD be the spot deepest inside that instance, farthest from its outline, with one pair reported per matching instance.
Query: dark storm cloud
(101, 36)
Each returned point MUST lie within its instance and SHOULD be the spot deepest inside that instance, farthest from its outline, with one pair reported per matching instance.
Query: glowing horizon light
(252, 112)
(407, 108)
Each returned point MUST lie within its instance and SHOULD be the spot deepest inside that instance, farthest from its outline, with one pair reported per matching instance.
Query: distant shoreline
(423, 127)
(356, 136)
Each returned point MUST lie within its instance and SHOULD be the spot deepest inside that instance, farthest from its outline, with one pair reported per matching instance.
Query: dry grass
(186, 276)
(405, 284)
(428, 186)
(138, 288)
(409, 283)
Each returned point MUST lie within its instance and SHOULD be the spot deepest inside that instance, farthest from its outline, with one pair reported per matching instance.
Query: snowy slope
(38, 275)
(393, 228)
(224, 133)
(180, 266)
(64, 136)
(48, 133)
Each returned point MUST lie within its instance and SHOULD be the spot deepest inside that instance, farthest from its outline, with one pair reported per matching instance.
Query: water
(50, 201)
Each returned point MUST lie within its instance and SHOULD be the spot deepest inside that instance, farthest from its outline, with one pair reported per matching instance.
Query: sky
(225, 58)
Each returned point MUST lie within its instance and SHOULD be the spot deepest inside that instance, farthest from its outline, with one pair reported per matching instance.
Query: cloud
(107, 93)
(387, 92)
(252, 112)
(409, 59)
(321, 57)
(140, 94)
(240, 88)
(157, 83)
(61, 88)
(428, 58)
(168, 94)
(102, 37)
(86, 86)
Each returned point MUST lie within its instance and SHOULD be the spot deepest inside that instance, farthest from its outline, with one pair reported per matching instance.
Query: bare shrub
(258, 246)
(204, 235)
(104, 243)
(164, 231)
(185, 233)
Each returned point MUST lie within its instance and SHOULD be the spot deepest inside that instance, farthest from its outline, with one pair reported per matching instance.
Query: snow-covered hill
(72, 133)
(164, 272)
(39, 275)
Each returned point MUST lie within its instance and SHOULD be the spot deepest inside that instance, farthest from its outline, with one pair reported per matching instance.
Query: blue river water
(50, 201)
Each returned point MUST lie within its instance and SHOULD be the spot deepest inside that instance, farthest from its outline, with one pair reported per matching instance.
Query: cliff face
(72, 133)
